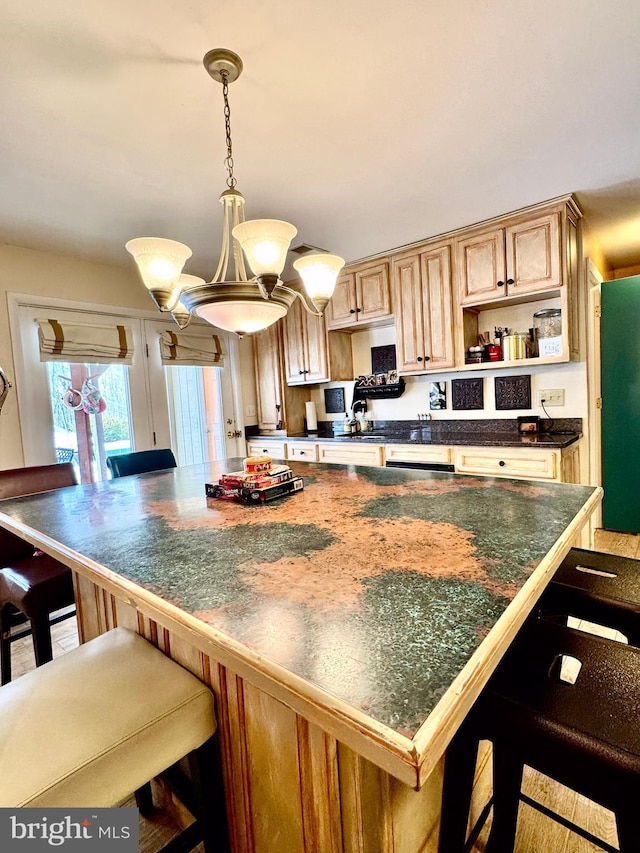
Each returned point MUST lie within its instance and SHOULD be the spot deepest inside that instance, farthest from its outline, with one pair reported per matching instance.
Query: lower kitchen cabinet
(341, 453)
(420, 454)
(303, 451)
(534, 464)
(267, 447)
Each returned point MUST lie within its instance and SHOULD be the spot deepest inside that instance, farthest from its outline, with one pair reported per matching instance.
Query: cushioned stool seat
(96, 724)
(32, 586)
(36, 586)
(598, 587)
(583, 734)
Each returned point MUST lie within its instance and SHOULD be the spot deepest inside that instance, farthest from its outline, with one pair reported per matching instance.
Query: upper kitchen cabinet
(309, 356)
(510, 268)
(517, 256)
(422, 297)
(279, 408)
(362, 296)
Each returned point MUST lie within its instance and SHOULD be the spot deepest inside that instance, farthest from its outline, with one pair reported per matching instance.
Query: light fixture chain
(231, 181)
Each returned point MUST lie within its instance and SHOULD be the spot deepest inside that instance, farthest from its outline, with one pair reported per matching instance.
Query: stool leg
(206, 777)
(457, 786)
(41, 639)
(507, 782)
(627, 824)
(144, 800)
(5, 651)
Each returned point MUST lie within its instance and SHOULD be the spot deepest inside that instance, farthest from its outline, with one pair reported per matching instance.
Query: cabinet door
(341, 310)
(266, 356)
(372, 293)
(294, 345)
(437, 309)
(533, 255)
(407, 299)
(481, 267)
(315, 348)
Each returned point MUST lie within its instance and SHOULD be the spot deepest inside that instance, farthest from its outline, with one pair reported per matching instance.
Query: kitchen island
(345, 630)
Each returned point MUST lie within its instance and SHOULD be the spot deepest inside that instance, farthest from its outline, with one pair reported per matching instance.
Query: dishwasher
(423, 466)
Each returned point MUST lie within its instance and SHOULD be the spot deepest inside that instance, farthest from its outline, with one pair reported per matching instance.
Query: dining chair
(141, 462)
(33, 585)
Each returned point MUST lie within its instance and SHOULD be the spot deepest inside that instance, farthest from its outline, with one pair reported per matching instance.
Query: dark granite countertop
(427, 435)
(375, 585)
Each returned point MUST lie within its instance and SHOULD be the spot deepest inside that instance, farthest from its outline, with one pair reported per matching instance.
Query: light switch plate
(551, 397)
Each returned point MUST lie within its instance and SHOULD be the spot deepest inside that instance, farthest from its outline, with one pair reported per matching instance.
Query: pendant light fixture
(242, 304)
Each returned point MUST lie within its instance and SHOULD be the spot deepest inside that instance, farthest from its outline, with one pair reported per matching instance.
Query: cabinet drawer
(418, 453)
(510, 462)
(303, 451)
(343, 454)
(260, 446)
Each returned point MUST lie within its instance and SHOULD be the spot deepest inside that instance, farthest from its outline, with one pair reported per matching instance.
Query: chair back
(141, 462)
(17, 482)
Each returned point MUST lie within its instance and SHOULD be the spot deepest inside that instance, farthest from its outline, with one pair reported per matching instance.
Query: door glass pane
(195, 402)
(91, 407)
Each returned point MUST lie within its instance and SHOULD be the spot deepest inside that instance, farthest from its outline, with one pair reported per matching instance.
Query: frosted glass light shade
(160, 263)
(265, 243)
(241, 317)
(319, 273)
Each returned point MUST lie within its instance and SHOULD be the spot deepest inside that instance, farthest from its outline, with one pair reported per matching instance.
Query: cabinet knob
(502, 463)
(302, 453)
(501, 284)
(427, 358)
(352, 310)
(419, 358)
(358, 310)
(301, 372)
(510, 281)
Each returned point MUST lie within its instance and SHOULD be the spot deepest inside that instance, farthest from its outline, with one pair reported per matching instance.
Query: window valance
(199, 350)
(61, 341)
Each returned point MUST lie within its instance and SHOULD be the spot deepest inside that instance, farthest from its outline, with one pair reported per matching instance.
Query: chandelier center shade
(240, 304)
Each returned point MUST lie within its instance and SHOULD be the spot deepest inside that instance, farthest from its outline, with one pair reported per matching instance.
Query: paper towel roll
(312, 417)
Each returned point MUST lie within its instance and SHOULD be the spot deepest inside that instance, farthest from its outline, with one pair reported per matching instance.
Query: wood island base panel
(345, 630)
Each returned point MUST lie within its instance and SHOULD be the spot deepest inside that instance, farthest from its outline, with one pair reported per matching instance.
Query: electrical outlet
(552, 397)
(251, 411)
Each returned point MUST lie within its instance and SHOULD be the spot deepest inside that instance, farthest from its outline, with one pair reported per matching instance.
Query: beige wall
(63, 277)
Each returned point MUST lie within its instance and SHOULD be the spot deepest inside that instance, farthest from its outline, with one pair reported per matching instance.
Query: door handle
(234, 433)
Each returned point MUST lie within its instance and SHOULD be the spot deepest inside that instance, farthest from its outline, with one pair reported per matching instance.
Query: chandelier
(241, 305)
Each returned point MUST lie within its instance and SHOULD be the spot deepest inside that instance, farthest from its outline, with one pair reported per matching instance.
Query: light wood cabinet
(268, 447)
(362, 296)
(422, 296)
(302, 451)
(419, 453)
(308, 359)
(514, 266)
(518, 259)
(279, 408)
(341, 453)
(520, 463)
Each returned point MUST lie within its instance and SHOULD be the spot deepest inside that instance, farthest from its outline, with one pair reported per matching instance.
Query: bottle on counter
(348, 425)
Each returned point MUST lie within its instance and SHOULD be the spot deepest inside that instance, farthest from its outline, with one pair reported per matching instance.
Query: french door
(86, 411)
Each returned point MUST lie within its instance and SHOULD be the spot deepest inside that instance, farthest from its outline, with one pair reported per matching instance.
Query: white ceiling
(369, 124)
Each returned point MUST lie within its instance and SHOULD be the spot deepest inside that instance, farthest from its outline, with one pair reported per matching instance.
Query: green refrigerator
(620, 340)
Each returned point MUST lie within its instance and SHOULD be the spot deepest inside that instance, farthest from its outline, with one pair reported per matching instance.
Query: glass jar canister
(548, 323)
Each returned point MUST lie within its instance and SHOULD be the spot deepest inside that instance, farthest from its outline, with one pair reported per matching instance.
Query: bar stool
(598, 587)
(581, 734)
(32, 585)
(96, 724)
